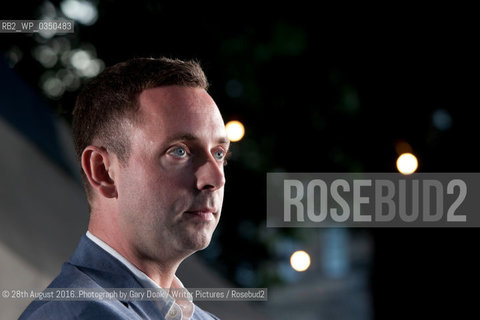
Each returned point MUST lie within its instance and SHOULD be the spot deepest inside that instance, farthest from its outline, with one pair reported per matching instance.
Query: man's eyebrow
(191, 137)
(223, 141)
(182, 136)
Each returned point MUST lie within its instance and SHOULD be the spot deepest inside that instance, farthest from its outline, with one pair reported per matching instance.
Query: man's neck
(160, 272)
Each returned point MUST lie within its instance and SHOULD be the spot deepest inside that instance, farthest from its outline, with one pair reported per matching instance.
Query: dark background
(319, 89)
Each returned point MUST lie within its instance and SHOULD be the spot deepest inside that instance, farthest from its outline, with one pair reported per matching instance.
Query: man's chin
(196, 240)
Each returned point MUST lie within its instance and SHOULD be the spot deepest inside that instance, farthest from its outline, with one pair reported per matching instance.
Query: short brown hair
(113, 95)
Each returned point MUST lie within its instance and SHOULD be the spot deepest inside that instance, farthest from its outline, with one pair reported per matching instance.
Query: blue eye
(219, 154)
(179, 152)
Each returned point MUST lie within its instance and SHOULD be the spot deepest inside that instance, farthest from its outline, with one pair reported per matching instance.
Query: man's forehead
(181, 103)
(179, 112)
(173, 95)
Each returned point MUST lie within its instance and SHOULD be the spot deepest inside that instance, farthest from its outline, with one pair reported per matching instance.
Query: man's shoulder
(89, 268)
(72, 277)
(92, 309)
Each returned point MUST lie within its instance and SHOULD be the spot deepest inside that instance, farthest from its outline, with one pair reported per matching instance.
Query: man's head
(152, 145)
(112, 97)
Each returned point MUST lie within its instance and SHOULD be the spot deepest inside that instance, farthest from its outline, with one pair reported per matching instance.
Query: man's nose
(210, 174)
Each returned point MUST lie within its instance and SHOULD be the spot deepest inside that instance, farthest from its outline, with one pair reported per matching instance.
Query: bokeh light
(235, 130)
(441, 119)
(80, 10)
(407, 163)
(300, 261)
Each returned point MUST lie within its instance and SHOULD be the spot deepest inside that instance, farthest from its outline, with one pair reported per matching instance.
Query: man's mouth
(204, 214)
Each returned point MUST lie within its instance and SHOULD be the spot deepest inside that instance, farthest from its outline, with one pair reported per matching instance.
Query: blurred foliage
(318, 90)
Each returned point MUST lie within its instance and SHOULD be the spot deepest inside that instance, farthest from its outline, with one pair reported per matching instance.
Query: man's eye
(219, 154)
(179, 152)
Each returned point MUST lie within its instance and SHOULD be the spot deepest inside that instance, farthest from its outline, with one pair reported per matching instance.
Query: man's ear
(96, 165)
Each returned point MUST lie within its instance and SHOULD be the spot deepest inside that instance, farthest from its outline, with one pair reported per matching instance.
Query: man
(152, 146)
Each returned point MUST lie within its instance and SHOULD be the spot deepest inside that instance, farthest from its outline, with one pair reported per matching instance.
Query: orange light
(235, 130)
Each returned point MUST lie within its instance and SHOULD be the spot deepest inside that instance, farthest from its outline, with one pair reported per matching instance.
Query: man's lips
(206, 214)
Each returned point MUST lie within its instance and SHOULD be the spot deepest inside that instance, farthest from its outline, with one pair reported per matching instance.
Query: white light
(80, 59)
(235, 130)
(60, 45)
(47, 11)
(47, 34)
(300, 261)
(94, 67)
(14, 55)
(84, 63)
(80, 10)
(69, 79)
(53, 87)
(407, 163)
(45, 55)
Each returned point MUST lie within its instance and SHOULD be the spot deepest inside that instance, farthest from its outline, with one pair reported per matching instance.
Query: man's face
(170, 192)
